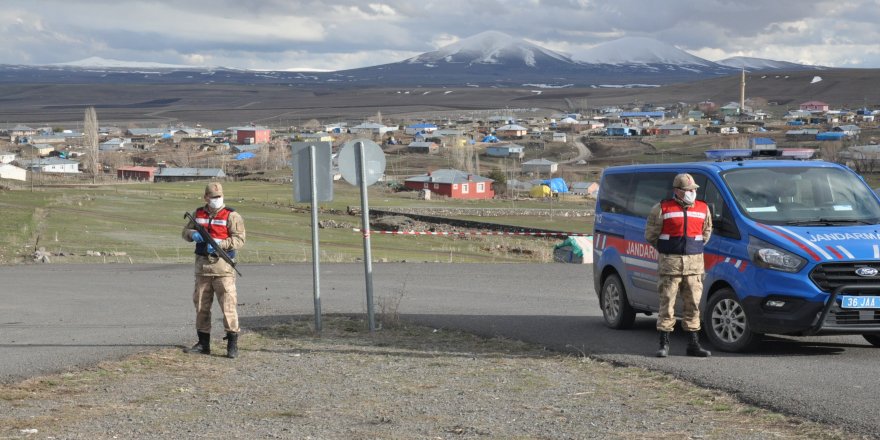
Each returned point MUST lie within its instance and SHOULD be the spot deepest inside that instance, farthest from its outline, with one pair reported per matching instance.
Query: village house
(320, 136)
(453, 183)
(116, 144)
(6, 157)
(187, 174)
(12, 172)
(50, 165)
(37, 150)
(588, 189)
(619, 129)
(762, 143)
(675, 129)
(849, 130)
(423, 147)
(511, 131)
(371, 128)
(144, 174)
(425, 128)
(804, 134)
(505, 150)
(540, 166)
(252, 135)
(814, 106)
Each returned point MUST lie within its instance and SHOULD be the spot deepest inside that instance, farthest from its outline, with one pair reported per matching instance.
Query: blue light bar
(739, 153)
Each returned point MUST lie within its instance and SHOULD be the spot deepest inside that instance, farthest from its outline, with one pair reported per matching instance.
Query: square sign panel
(302, 189)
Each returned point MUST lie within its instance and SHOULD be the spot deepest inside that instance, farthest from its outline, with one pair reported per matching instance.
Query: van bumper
(798, 316)
(801, 317)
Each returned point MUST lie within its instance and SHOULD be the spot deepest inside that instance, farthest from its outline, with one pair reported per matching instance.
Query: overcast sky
(341, 34)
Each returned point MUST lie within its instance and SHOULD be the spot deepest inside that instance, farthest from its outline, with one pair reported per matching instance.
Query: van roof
(717, 167)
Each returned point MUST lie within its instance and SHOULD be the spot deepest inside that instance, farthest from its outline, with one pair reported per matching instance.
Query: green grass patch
(142, 223)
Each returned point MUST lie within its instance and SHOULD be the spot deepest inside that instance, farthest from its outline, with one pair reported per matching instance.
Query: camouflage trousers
(203, 298)
(687, 287)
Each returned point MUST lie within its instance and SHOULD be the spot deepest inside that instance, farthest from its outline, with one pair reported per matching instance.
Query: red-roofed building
(253, 135)
(814, 106)
(136, 173)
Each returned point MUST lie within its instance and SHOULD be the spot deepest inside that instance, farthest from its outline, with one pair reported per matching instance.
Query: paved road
(60, 317)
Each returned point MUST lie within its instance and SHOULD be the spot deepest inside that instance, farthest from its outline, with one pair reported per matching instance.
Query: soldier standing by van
(678, 228)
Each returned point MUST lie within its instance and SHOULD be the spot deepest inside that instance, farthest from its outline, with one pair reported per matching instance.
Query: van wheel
(616, 310)
(726, 325)
(873, 339)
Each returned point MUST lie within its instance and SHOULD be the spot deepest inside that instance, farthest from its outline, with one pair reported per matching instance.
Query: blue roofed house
(619, 129)
(420, 128)
(830, 136)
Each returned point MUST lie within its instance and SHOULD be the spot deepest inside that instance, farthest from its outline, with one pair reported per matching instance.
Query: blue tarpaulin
(243, 156)
(490, 138)
(557, 185)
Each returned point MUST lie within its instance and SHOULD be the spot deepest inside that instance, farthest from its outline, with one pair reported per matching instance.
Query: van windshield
(803, 196)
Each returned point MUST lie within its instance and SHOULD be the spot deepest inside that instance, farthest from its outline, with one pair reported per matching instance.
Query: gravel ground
(403, 382)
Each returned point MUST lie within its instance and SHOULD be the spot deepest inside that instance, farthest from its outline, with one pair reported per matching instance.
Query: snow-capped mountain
(490, 47)
(98, 62)
(761, 64)
(488, 59)
(639, 50)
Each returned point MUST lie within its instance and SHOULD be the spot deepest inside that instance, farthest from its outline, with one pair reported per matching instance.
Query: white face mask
(689, 197)
(215, 203)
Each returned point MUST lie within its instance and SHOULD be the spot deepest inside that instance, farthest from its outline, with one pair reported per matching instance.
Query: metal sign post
(316, 248)
(365, 225)
(362, 163)
(311, 165)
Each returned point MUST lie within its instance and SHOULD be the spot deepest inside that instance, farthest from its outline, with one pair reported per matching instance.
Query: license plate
(860, 302)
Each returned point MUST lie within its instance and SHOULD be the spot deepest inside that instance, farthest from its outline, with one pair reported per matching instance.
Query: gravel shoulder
(402, 382)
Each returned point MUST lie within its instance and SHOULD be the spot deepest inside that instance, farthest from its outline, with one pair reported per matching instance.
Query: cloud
(341, 34)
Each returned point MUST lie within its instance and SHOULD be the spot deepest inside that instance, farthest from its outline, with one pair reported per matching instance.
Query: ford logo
(866, 272)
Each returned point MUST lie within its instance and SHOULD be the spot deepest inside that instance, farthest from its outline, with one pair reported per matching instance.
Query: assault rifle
(210, 240)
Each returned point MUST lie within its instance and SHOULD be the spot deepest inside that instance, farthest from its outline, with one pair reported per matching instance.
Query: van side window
(648, 190)
(615, 193)
(722, 219)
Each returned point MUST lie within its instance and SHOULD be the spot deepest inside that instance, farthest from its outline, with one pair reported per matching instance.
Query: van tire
(726, 324)
(873, 339)
(616, 310)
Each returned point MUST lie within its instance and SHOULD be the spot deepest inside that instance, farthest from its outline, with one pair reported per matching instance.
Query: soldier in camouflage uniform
(678, 228)
(214, 276)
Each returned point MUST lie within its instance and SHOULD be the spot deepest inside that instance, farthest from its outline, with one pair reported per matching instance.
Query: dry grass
(402, 382)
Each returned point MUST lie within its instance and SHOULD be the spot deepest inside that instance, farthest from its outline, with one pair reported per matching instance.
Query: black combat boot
(204, 344)
(231, 345)
(664, 345)
(694, 348)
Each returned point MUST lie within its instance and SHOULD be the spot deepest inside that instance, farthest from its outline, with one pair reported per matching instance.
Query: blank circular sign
(374, 162)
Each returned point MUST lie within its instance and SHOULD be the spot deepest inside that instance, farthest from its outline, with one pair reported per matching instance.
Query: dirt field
(223, 105)
(403, 382)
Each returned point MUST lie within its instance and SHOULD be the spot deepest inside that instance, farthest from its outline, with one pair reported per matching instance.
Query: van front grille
(829, 276)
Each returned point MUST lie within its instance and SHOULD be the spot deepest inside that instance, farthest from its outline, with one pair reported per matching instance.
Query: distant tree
(498, 176)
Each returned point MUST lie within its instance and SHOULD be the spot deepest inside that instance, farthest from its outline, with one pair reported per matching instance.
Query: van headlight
(773, 257)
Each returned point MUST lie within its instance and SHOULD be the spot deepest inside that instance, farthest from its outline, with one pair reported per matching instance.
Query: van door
(648, 189)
